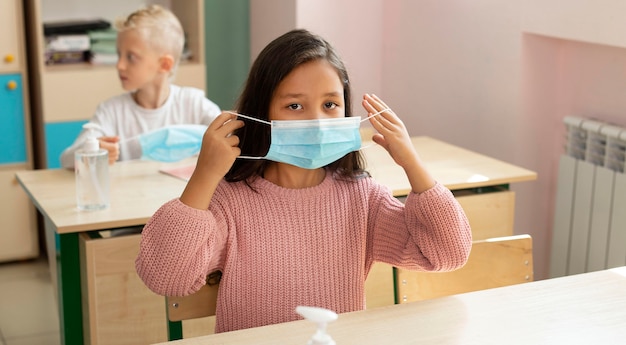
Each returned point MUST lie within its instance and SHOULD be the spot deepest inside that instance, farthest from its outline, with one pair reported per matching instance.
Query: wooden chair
(200, 304)
(492, 263)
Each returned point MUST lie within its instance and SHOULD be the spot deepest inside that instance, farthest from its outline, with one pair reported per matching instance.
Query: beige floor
(28, 307)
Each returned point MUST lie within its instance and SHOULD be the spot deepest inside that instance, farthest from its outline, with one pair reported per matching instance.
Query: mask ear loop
(376, 114)
(250, 118)
(253, 119)
(369, 117)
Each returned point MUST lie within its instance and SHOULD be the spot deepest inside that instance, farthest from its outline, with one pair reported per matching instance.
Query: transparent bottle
(91, 165)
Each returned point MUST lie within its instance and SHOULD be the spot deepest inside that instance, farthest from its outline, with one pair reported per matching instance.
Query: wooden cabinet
(69, 94)
(117, 307)
(18, 232)
(11, 49)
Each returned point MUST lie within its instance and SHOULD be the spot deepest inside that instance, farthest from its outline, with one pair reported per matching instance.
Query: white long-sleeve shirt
(121, 116)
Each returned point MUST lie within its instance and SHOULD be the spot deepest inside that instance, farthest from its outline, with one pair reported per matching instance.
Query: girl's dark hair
(272, 65)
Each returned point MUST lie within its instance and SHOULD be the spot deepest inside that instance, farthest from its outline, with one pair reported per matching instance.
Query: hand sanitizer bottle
(91, 165)
(321, 317)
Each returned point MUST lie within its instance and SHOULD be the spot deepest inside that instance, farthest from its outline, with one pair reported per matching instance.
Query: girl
(291, 231)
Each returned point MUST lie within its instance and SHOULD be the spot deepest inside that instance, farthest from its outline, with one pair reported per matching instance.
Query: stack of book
(103, 49)
(68, 41)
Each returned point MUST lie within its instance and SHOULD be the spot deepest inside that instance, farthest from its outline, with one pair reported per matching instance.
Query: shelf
(88, 67)
(72, 92)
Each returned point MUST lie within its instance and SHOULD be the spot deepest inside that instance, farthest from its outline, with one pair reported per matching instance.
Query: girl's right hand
(217, 154)
(219, 145)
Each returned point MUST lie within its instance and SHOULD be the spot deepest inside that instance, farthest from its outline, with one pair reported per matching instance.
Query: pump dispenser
(91, 165)
(321, 317)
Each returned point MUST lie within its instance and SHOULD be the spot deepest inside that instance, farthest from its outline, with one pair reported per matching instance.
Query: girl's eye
(330, 105)
(295, 106)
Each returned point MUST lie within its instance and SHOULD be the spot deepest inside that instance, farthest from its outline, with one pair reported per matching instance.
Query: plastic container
(321, 317)
(91, 165)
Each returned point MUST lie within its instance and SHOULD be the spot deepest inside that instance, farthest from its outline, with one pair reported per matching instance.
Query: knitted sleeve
(429, 233)
(179, 246)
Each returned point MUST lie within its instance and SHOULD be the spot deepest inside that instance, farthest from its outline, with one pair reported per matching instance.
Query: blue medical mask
(311, 144)
(172, 143)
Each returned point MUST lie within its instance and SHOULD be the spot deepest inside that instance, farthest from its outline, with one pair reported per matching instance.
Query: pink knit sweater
(279, 248)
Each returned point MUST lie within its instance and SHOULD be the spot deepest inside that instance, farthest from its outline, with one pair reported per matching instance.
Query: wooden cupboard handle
(12, 85)
(9, 58)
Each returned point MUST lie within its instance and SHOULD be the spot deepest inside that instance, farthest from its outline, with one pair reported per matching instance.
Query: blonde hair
(159, 27)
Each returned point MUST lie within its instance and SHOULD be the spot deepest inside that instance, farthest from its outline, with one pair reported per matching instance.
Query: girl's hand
(394, 137)
(217, 155)
(219, 146)
(111, 144)
(392, 134)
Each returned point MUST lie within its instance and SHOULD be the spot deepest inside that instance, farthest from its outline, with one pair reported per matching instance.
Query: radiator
(589, 230)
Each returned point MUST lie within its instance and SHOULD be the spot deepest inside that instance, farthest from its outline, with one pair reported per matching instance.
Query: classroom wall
(496, 77)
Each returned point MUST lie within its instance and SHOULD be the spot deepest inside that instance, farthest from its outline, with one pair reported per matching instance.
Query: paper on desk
(181, 172)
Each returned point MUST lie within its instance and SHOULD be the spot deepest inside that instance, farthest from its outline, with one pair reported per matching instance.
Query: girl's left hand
(392, 134)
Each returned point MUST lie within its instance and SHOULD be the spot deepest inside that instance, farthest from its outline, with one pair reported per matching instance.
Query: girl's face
(138, 64)
(312, 90)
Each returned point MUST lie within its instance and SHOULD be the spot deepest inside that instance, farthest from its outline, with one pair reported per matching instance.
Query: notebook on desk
(181, 172)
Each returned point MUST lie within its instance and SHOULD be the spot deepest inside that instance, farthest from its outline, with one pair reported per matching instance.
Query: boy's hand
(111, 144)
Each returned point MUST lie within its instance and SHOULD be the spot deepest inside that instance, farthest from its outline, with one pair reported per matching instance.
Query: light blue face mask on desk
(172, 143)
(311, 144)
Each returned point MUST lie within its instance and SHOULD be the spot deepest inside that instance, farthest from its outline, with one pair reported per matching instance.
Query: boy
(149, 44)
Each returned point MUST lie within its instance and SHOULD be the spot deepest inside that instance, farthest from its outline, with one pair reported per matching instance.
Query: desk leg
(70, 308)
(68, 284)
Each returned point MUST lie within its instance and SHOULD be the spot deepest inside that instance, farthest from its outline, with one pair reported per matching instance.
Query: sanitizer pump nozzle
(321, 317)
(91, 144)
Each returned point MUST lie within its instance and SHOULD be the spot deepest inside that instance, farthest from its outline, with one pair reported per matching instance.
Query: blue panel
(60, 135)
(12, 130)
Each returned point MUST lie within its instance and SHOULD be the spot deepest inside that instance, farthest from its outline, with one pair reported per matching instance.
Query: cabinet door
(11, 28)
(12, 131)
(18, 232)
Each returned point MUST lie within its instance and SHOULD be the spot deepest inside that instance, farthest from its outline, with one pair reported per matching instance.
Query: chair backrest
(492, 263)
(200, 304)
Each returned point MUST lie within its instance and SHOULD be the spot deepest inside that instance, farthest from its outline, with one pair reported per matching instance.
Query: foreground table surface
(582, 309)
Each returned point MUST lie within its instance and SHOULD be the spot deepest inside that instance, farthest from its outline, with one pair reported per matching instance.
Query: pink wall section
(564, 78)
(468, 73)
(354, 27)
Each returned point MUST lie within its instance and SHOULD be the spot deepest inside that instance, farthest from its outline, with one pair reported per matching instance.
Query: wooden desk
(137, 191)
(454, 167)
(582, 309)
(90, 304)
